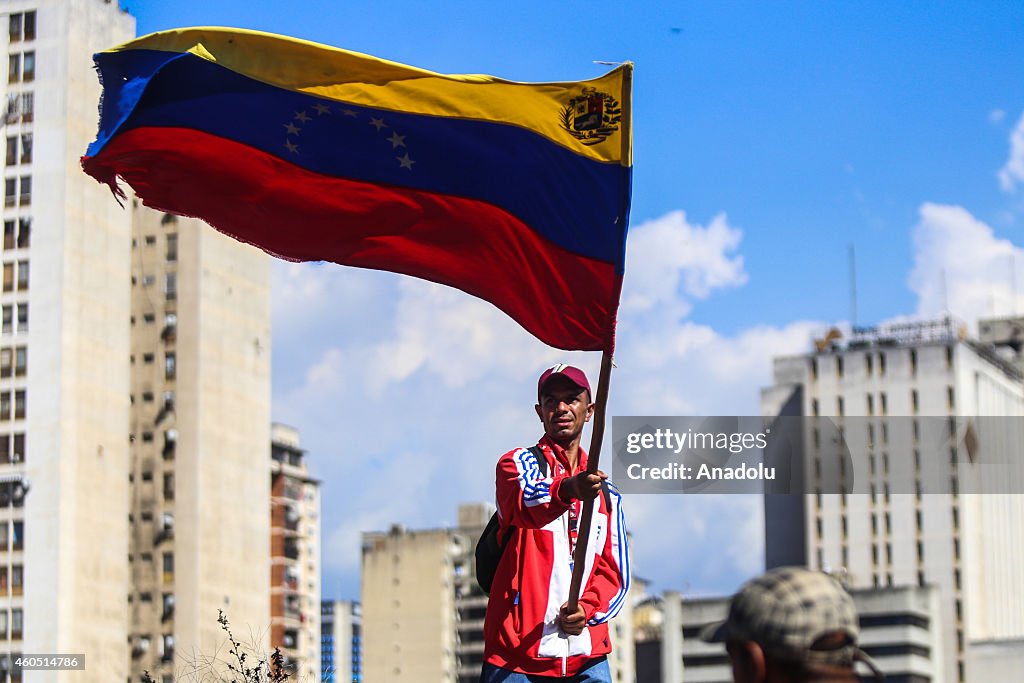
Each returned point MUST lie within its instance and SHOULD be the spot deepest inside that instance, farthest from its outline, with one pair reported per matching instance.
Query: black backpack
(489, 548)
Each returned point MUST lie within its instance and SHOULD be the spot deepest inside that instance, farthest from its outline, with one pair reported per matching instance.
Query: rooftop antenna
(853, 288)
(1013, 283)
(945, 294)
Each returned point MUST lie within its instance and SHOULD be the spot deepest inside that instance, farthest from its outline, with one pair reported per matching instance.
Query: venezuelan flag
(517, 193)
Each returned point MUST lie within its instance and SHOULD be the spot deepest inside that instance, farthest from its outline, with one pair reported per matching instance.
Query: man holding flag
(516, 193)
(530, 632)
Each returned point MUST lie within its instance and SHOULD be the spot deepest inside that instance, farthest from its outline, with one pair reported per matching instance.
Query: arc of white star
(405, 162)
(292, 147)
(378, 124)
(321, 109)
(397, 140)
(302, 116)
(349, 112)
(292, 128)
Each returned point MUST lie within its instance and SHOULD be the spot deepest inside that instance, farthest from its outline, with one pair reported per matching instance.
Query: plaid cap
(789, 611)
(570, 372)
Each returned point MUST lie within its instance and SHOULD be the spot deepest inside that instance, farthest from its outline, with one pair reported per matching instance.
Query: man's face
(564, 408)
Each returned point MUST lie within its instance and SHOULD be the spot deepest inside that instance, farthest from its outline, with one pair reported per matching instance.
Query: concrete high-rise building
(295, 556)
(905, 379)
(423, 612)
(64, 344)
(200, 422)
(341, 626)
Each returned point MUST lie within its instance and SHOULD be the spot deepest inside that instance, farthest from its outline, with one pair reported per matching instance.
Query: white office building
(886, 390)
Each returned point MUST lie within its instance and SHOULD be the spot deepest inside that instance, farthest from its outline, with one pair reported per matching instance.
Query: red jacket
(532, 579)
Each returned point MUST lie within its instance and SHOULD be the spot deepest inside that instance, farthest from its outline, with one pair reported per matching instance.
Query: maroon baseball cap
(571, 373)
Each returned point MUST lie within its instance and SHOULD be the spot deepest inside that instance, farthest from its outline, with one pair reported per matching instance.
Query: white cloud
(996, 115)
(960, 266)
(1013, 171)
(670, 262)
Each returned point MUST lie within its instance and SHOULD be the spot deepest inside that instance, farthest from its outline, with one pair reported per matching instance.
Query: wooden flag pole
(596, 437)
(579, 558)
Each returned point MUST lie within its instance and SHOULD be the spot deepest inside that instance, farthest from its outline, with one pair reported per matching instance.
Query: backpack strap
(542, 461)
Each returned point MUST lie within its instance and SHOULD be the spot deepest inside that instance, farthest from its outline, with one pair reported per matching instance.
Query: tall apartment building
(64, 344)
(423, 613)
(341, 628)
(905, 379)
(200, 425)
(295, 556)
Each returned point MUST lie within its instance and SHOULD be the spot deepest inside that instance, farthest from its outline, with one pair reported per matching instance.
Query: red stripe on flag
(564, 299)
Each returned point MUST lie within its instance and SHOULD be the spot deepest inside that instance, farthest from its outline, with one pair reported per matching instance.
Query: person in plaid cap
(791, 625)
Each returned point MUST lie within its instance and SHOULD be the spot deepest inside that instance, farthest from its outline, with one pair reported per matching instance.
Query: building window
(26, 191)
(22, 275)
(10, 191)
(16, 624)
(19, 404)
(7, 319)
(167, 647)
(6, 362)
(868, 364)
(8, 277)
(168, 573)
(839, 366)
(4, 541)
(881, 364)
(28, 67)
(9, 234)
(171, 286)
(871, 404)
(913, 362)
(168, 486)
(950, 398)
(22, 317)
(27, 107)
(12, 151)
(17, 535)
(172, 247)
(949, 357)
(14, 68)
(17, 579)
(883, 404)
(19, 448)
(26, 148)
(5, 405)
(840, 407)
(22, 26)
(914, 401)
(24, 232)
(170, 365)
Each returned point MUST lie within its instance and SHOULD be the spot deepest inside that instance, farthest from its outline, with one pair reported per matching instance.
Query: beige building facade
(294, 555)
(423, 612)
(64, 344)
(200, 363)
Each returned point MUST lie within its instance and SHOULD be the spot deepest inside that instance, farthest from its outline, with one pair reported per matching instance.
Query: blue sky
(768, 138)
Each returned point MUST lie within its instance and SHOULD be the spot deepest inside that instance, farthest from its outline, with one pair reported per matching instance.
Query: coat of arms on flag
(592, 116)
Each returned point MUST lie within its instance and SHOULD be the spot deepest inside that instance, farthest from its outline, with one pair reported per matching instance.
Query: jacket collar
(549, 444)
